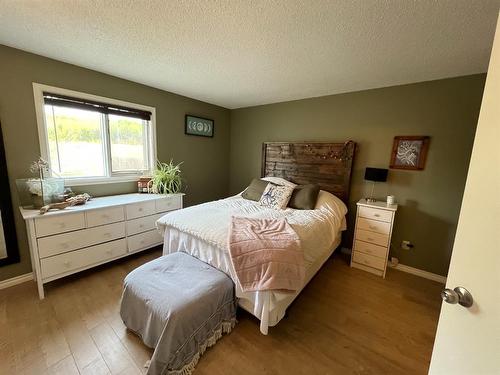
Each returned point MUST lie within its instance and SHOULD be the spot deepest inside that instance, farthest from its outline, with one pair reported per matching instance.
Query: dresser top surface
(96, 203)
(378, 204)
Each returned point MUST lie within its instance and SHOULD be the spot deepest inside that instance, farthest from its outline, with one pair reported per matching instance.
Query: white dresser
(80, 237)
(372, 236)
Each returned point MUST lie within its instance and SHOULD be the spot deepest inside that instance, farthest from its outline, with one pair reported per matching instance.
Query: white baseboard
(16, 280)
(418, 272)
(407, 269)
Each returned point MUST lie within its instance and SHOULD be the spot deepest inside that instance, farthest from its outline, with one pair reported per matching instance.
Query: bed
(202, 230)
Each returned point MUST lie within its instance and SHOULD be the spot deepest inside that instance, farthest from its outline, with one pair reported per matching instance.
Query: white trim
(99, 180)
(38, 90)
(407, 269)
(418, 272)
(16, 280)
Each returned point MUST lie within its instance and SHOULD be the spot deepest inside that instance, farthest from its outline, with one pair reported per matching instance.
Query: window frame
(111, 177)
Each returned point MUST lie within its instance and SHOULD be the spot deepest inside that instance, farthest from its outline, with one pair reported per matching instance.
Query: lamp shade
(376, 174)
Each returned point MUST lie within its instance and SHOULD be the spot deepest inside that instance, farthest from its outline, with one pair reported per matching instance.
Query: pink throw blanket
(266, 254)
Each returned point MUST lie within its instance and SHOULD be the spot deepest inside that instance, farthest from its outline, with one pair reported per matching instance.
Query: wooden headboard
(327, 164)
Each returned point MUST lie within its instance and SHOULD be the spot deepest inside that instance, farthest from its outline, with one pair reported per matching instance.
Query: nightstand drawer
(372, 237)
(374, 213)
(368, 260)
(374, 225)
(370, 249)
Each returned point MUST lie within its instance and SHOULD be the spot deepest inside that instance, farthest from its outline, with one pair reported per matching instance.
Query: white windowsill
(99, 180)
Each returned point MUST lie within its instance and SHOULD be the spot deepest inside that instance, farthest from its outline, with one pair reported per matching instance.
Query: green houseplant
(166, 178)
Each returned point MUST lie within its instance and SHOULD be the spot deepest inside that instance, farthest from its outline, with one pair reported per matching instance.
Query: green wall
(206, 160)
(447, 110)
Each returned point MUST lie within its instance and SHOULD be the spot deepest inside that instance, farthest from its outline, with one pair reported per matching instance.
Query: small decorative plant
(167, 178)
(42, 189)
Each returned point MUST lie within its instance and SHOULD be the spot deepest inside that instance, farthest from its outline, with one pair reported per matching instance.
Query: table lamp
(375, 175)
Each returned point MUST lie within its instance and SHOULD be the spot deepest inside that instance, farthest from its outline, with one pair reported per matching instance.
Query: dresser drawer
(78, 259)
(368, 260)
(370, 249)
(142, 224)
(374, 213)
(374, 225)
(105, 216)
(168, 203)
(372, 237)
(144, 240)
(62, 243)
(140, 209)
(59, 224)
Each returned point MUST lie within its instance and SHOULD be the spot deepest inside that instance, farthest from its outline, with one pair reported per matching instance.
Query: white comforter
(209, 222)
(203, 232)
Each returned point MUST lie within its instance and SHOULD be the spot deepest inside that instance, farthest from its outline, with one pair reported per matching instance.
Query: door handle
(458, 295)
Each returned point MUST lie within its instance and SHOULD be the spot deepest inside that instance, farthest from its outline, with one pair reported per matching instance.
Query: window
(88, 139)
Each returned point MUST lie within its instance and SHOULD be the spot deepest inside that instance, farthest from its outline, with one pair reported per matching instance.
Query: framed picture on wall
(200, 126)
(409, 152)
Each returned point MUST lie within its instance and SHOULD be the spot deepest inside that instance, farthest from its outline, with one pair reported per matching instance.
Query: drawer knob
(107, 234)
(64, 245)
(140, 209)
(370, 239)
(366, 261)
(372, 227)
(376, 215)
(142, 242)
(67, 263)
(141, 226)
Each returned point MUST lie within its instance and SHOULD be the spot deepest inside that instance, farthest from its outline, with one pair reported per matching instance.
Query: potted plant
(166, 178)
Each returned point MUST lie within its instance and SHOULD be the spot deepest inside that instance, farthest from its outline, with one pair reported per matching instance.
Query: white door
(468, 339)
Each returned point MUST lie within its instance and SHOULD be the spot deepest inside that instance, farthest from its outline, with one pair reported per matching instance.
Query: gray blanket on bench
(179, 306)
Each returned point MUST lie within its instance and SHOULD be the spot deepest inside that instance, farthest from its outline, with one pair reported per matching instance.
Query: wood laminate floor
(345, 321)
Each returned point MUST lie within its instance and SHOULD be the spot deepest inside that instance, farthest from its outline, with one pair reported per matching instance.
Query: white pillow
(279, 181)
(276, 196)
(326, 199)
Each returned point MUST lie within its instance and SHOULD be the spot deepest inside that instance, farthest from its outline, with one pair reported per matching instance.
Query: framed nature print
(409, 152)
(200, 126)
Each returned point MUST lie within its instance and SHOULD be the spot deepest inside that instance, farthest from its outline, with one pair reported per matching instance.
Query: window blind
(68, 101)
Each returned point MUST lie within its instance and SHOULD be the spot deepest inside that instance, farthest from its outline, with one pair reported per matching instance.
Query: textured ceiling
(238, 53)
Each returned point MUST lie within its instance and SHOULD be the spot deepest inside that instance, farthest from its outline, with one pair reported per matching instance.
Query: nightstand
(372, 236)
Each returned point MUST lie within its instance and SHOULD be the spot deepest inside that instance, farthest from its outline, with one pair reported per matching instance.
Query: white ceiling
(238, 53)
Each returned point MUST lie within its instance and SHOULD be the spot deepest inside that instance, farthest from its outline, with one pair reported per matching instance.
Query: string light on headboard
(341, 155)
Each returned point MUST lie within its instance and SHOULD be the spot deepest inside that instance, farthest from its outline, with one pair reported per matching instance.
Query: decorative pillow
(304, 197)
(276, 196)
(279, 181)
(254, 191)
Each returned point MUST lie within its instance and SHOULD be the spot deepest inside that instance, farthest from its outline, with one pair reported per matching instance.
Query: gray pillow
(304, 197)
(254, 191)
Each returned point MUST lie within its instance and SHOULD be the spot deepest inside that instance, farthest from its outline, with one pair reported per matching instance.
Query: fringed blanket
(266, 254)
(179, 306)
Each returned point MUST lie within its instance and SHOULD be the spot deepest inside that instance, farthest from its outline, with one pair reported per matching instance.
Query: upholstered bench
(179, 306)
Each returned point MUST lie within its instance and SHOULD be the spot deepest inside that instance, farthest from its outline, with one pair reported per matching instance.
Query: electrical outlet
(406, 245)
